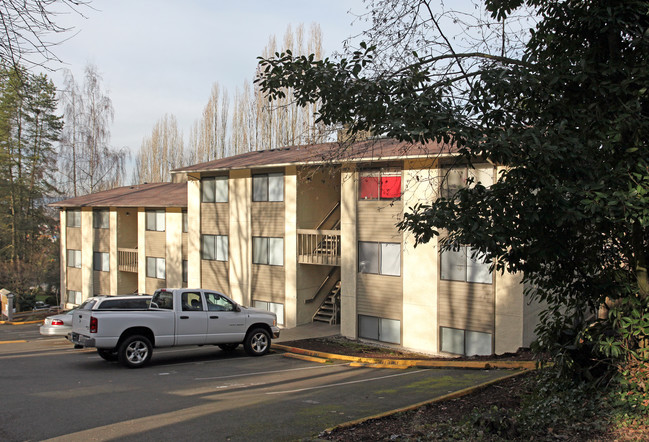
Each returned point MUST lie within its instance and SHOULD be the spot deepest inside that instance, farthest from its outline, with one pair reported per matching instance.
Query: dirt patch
(344, 346)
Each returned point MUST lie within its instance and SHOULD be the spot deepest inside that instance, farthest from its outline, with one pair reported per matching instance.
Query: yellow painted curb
(13, 342)
(306, 358)
(453, 395)
(21, 323)
(420, 363)
(396, 367)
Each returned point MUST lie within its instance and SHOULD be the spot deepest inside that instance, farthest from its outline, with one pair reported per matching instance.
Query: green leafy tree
(566, 113)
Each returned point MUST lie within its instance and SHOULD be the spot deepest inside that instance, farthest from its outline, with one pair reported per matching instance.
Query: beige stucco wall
(240, 196)
(290, 247)
(349, 252)
(63, 257)
(112, 252)
(173, 244)
(141, 250)
(508, 313)
(420, 266)
(194, 232)
(86, 252)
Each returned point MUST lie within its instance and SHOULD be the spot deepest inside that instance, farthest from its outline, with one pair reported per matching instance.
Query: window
(185, 222)
(100, 261)
(465, 342)
(162, 299)
(380, 258)
(458, 177)
(191, 302)
(155, 220)
(155, 267)
(74, 258)
(73, 218)
(74, 297)
(214, 247)
(463, 263)
(214, 189)
(274, 307)
(383, 184)
(100, 219)
(218, 303)
(268, 251)
(185, 270)
(379, 329)
(268, 187)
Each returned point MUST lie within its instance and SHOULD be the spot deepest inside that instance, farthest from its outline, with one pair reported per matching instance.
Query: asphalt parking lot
(52, 391)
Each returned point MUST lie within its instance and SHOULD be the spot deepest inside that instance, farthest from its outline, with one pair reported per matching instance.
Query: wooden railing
(127, 260)
(318, 247)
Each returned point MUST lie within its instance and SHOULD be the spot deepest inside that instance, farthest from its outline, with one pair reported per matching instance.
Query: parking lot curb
(407, 363)
(454, 395)
(21, 322)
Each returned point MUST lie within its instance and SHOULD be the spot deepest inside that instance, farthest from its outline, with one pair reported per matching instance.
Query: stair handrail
(324, 283)
(331, 212)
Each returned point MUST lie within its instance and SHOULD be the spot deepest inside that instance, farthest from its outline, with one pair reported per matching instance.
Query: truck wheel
(135, 351)
(257, 342)
(228, 347)
(109, 355)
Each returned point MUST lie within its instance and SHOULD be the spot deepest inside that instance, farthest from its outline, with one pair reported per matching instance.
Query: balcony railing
(127, 260)
(320, 247)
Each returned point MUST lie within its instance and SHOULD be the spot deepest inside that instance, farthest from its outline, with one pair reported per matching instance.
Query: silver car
(57, 325)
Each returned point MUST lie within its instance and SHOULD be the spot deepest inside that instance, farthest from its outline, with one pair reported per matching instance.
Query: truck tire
(257, 342)
(108, 355)
(135, 351)
(228, 348)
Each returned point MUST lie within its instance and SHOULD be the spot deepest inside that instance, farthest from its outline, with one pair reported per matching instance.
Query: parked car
(61, 325)
(57, 325)
(40, 305)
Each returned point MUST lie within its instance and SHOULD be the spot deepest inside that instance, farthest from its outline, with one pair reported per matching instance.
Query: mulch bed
(344, 346)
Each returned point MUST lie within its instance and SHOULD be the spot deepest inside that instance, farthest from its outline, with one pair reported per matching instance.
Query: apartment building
(309, 233)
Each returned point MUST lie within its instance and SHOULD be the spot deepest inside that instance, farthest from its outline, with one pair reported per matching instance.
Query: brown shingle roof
(372, 150)
(140, 195)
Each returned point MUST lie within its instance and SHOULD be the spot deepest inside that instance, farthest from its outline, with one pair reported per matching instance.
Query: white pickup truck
(174, 317)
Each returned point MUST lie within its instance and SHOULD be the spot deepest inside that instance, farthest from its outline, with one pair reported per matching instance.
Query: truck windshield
(162, 299)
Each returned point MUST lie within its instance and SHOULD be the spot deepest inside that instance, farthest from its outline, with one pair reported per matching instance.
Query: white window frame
(155, 220)
(268, 250)
(218, 243)
(274, 307)
(73, 218)
(465, 342)
(214, 189)
(379, 329)
(75, 295)
(158, 266)
(74, 258)
(101, 219)
(464, 268)
(380, 173)
(455, 178)
(268, 187)
(382, 265)
(101, 261)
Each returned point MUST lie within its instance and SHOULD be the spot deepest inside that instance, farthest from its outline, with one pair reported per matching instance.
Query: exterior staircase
(329, 310)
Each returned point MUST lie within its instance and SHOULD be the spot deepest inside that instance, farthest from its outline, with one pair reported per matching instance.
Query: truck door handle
(214, 317)
(184, 317)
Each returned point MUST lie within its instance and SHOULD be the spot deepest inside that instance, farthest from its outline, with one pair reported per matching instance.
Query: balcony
(127, 260)
(320, 247)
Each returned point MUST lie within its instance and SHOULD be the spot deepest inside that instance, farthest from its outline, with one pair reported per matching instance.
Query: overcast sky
(162, 56)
